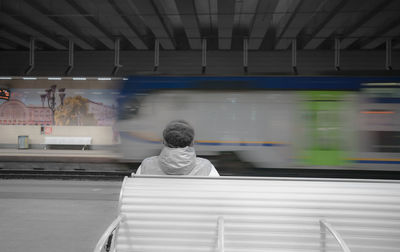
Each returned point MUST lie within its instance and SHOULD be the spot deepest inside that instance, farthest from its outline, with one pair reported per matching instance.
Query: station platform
(61, 155)
(62, 163)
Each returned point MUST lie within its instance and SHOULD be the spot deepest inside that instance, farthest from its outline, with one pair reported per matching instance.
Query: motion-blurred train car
(268, 122)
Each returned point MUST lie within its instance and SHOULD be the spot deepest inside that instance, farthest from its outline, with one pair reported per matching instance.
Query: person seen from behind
(178, 156)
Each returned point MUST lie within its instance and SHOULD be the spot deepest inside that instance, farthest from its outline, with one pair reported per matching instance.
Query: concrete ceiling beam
(190, 23)
(369, 23)
(152, 19)
(35, 9)
(14, 38)
(262, 21)
(122, 25)
(85, 19)
(334, 8)
(296, 22)
(226, 9)
(23, 25)
(393, 31)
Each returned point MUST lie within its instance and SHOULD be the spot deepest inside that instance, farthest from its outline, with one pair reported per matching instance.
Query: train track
(64, 170)
(76, 175)
(117, 171)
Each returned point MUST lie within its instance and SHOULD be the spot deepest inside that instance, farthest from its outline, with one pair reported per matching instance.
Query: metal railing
(104, 238)
(324, 225)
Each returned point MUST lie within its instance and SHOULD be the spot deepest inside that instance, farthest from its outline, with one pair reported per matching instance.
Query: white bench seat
(170, 214)
(56, 140)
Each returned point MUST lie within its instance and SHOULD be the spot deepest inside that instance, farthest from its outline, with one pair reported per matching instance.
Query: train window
(386, 141)
(129, 109)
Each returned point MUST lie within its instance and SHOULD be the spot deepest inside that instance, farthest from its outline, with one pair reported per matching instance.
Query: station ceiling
(183, 24)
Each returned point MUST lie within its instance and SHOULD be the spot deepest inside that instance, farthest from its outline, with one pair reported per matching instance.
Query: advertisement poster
(60, 106)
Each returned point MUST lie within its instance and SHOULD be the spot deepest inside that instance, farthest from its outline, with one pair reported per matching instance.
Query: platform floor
(56, 154)
(55, 215)
(63, 164)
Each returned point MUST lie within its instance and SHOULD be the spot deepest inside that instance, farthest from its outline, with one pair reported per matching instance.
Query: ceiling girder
(31, 30)
(390, 31)
(262, 21)
(340, 19)
(123, 26)
(325, 22)
(226, 9)
(101, 34)
(10, 35)
(284, 13)
(153, 20)
(299, 19)
(353, 33)
(182, 24)
(8, 45)
(190, 23)
(35, 7)
(141, 46)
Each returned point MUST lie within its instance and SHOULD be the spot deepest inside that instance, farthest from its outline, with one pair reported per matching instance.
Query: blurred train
(269, 122)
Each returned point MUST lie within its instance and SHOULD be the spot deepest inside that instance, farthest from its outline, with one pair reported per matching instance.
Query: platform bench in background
(205, 214)
(72, 141)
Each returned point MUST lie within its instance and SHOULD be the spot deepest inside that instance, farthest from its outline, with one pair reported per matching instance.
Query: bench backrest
(181, 214)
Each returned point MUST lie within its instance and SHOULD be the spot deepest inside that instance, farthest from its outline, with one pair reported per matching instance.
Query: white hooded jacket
(177, 161)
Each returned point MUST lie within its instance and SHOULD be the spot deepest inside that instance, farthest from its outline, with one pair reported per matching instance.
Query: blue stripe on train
(239, 144)
(139, 139)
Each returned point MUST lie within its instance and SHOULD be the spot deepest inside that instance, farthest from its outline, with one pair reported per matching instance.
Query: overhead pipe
(117, 66)
(156, 55)
(70, 57)
(294, 56)
(245, 54)
(389, 54)
(337, 54)
(31, 56)
(203, 55)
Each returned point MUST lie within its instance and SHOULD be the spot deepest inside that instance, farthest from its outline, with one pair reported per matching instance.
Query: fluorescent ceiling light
(54, 78)
(5, 78)
(79, 78)
(29, 78)
(104, 78)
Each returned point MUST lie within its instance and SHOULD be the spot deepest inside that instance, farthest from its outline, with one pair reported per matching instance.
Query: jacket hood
(177, 161)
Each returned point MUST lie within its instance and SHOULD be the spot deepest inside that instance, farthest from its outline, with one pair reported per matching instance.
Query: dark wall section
(100, 63)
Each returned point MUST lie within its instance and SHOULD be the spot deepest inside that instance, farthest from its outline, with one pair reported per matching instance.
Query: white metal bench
(183, 214)
(53, 140)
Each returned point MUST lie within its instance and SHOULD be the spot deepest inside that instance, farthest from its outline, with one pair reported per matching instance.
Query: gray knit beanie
(178, 134)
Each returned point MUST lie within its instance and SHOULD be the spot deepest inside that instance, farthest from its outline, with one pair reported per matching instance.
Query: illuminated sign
(5, 94)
